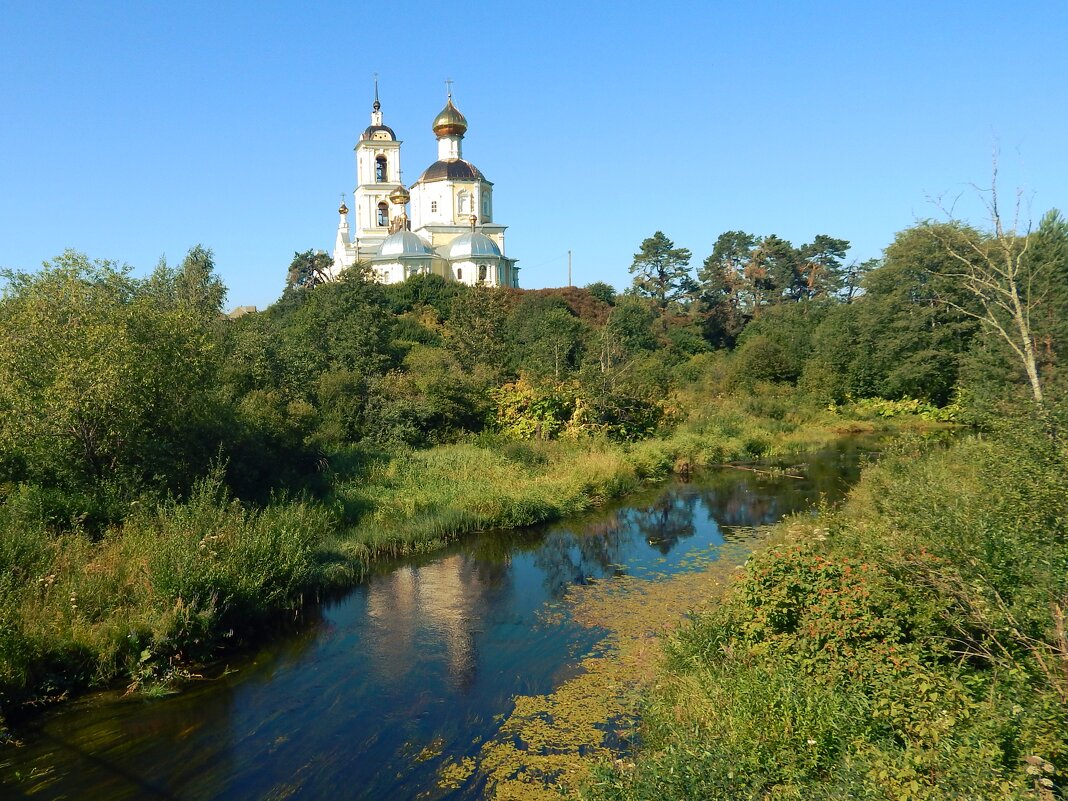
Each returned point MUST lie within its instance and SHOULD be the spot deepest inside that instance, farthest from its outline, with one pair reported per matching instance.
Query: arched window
(463, 203)
(380, 170)
(482, 272)
(383, 215)
(459, 273)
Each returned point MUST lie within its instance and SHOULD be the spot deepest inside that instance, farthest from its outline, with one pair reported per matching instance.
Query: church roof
(404, 243)
(369, 132)
(472, 245)
(451, 170)
(449, 122)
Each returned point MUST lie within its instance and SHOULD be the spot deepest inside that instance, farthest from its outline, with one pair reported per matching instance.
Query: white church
(451, 231)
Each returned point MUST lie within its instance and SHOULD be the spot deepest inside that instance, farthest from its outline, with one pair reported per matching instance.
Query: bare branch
(995, 270)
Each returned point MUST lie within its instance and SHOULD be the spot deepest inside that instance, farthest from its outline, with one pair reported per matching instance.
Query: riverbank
(909, 645)
(421, 500)
(177, 582)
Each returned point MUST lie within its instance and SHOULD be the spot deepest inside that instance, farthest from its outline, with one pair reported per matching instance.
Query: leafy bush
(881, 407)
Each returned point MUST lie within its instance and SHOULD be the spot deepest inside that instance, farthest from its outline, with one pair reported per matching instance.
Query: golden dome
(399, 196)
(450, 122)
(342, 209)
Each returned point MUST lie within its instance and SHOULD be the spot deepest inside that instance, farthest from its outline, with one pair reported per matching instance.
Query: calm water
(414, 667)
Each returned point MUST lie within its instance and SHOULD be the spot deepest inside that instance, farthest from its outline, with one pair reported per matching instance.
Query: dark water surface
(413, 668)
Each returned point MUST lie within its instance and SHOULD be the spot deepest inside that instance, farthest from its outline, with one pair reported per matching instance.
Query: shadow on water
(414, 667)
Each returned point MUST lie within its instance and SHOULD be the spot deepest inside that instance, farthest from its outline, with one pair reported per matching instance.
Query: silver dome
(404, 243)
(473, 245)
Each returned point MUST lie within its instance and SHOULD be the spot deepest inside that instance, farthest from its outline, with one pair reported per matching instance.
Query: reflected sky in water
(414, 667)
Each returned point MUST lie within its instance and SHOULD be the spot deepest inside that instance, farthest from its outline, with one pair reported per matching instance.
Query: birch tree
(995, 269)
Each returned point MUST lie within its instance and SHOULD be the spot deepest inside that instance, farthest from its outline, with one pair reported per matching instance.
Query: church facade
(450, 231)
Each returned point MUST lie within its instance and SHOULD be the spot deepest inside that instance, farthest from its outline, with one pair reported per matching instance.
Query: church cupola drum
(451, 202)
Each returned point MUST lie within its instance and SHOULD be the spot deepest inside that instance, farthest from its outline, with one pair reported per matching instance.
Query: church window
(383, 215)
(433, 207)
(380, 170)
(482, 272)
(459, 273)
(462, 203)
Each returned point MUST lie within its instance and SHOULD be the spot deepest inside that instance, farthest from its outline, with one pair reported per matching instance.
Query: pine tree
(662, 271)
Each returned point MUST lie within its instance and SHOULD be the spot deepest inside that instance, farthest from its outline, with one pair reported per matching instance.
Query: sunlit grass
(420, 500)
(167, 586)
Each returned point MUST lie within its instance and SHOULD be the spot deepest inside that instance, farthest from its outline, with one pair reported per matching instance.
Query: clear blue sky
(133, 130)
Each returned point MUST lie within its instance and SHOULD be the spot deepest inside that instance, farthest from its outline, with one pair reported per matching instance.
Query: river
(411, 670)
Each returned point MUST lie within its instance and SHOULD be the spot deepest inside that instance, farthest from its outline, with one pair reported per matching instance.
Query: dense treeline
(111, 386)
(169, 475)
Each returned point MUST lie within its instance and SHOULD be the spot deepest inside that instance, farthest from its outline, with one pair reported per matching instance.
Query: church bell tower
(378, 175)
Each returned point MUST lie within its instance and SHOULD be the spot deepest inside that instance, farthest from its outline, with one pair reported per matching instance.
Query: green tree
(430, 399)
(198, 285)
(853, 278)
(476, 330)
(308, 269)
(661, 271)
(602, 291)
(821, 271)
(775, 272)
(104, 385)
(424, 290)
(778, 344)
(336, 342)
(545, 336)
(900, 338)
(194, 284)
(725, 301)
(268, 399)
(343, 325)
(627, 332)
(1048, 257)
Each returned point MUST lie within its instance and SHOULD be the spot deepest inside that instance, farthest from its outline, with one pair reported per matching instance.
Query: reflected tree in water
(667, 521)
(568, 558)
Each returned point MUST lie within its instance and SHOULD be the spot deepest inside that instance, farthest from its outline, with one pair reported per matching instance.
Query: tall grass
(167, 586)
(419, 500)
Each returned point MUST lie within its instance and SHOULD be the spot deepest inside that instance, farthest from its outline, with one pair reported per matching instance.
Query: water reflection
(574, 555)
(412, 668)
(432, 611)
(667, 521)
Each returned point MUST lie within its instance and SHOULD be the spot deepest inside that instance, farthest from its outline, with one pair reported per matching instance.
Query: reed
(170, 585)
